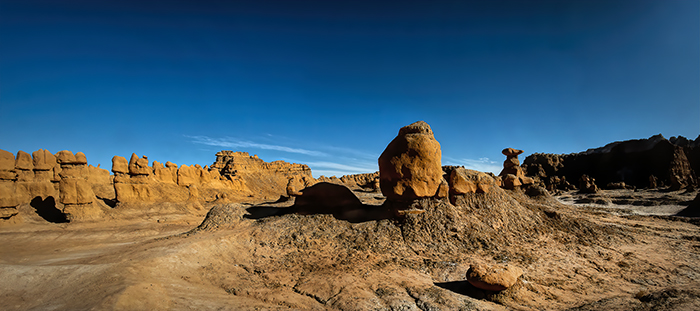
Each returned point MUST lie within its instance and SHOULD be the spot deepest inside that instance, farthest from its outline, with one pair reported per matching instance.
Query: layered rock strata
(76, 193)
(262, 179)
(137, 182)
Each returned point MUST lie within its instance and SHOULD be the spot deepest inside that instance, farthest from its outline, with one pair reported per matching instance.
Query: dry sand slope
(242, 258)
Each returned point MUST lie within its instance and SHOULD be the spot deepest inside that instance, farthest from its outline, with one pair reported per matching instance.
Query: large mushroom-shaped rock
(409, 167)
(493, 277)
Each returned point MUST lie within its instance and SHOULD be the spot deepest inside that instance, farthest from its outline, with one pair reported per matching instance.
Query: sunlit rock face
(410, 167)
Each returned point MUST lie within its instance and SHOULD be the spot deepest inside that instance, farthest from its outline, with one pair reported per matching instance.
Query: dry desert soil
(615, 250)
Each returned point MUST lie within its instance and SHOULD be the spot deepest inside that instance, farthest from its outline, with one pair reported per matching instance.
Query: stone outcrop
(512, 174)
(587, 184)
(136, 182)
(367, 181)
(410, 167)
(76, 193)
(296, 184)
(263, 179)
(461, 181)
(8, 199)
(493, 277)
(641, 163)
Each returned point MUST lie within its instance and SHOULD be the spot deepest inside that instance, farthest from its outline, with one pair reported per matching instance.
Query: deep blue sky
(329, 83)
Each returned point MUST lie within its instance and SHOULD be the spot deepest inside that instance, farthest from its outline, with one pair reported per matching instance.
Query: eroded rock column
(512, 174)
(8, 200)
(75, 191)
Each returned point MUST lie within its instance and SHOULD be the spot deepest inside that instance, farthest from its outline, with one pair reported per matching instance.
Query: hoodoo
(410, 167)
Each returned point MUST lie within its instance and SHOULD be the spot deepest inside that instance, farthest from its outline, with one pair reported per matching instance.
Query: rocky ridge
(653, 162)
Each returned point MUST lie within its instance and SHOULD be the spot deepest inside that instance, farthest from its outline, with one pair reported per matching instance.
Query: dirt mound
(410, 262)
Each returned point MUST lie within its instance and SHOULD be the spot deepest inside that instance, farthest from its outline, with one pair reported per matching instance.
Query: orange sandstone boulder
(7, 166)
(43, 160)
(139, 166)
(464, 180)
(410, 167)
(120, 165)
(24, 161)
(493, 277)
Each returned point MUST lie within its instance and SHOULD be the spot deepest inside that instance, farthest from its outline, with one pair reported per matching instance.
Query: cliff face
(62, 187)
(263, 179)
(671, 162)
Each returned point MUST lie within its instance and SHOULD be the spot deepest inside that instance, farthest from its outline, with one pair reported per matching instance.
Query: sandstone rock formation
(672, 163)
(512, 174)
(367, 181)
(493, 277)
(8, 200)
(409, 167)
(587, 184)
(462, 181)
(263, 179)
(76, 193)
(296, 184)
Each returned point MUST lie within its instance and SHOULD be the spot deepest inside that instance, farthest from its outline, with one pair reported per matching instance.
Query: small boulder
(7, 166)
(65, 157)
(24, 161)
(511, 181)
(80, 158)
(464, 180)
(43, 160)
(294, 186)
(120, 165)
(493, 277)
(443, 189)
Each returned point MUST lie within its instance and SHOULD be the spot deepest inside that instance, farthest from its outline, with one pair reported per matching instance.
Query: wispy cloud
(481, 164)
(229, 142)
(338, 167)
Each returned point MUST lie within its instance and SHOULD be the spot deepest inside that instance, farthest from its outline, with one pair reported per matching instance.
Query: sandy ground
(317, 262)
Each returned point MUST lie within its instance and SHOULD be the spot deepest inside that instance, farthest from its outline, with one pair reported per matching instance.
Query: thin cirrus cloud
(229, 142)
(481, 164)
(338, 167)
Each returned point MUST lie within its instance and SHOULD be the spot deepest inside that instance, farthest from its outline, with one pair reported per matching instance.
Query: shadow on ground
(463, 288)
(325, 198)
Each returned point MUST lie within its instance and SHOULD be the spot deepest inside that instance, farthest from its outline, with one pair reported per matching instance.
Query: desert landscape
(611, 228)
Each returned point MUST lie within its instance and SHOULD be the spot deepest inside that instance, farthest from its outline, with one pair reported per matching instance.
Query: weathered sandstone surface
(410, 166)
(63, 187)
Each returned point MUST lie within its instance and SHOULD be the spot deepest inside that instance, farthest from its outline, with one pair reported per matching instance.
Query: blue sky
(329, 83)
